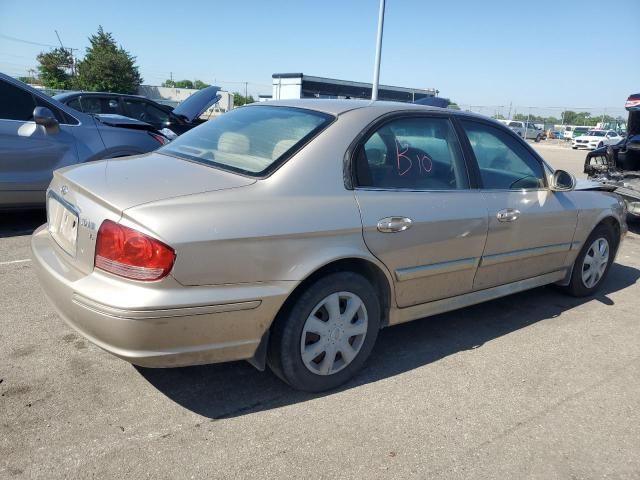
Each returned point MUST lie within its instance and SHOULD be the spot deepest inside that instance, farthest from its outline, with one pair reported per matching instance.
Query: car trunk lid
(194, 106)
(81, 197)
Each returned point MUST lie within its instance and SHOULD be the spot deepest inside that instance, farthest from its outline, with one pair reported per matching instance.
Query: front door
(28, 153)
(531, 228)
(420, 217)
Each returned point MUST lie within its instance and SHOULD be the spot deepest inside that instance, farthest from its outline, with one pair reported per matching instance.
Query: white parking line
(15, 261)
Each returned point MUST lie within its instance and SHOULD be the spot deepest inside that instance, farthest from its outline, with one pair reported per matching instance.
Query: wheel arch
(614, 224)
(372, 271)
(609, 220)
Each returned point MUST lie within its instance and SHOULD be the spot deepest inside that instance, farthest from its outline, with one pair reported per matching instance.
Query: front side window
(75, 104)
(412, 153)
(505, 164)
(250, 140)
(15, 103)
(144, 111)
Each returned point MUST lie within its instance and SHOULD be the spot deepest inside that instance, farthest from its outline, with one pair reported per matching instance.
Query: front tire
(325, 336)
(593, 262)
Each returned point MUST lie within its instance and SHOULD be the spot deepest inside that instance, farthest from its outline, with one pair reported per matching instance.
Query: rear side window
(98, 105)
(15, 103)
(418, 153)
(505, 164)
(144, 111)
(250, 140)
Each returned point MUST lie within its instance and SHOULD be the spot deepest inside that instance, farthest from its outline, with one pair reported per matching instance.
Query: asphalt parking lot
(533, 385)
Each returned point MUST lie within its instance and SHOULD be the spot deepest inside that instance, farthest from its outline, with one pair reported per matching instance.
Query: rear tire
(593, 262)
(325, 336)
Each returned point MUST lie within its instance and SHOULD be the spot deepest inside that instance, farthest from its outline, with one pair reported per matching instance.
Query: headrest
(232, 142)
(281, 147)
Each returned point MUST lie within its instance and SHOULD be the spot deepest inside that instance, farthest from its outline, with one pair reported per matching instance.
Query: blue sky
(536, 53)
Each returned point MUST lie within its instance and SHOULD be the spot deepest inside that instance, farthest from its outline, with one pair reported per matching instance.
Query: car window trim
(349, 163)
(510, 132)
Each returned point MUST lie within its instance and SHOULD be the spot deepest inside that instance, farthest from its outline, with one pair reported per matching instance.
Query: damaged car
(619, 165)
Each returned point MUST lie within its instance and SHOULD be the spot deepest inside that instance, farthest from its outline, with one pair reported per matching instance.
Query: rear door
(419, 214)
(531, 228)
(28, 153)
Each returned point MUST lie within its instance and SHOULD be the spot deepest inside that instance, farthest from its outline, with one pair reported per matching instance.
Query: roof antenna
(376, 68)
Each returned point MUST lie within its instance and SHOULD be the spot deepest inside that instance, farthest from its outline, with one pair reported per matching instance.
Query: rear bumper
(158, 324)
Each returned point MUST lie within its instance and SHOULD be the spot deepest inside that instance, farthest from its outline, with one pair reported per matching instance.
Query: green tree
(108, 67)
(199, 84)
(54, 68)
(239, 99)
(184, 84)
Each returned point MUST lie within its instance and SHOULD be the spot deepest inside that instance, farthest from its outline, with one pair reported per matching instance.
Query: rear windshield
(249, 140)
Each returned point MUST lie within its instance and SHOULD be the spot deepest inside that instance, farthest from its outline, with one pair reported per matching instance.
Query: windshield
(250, 140)
(595, 133)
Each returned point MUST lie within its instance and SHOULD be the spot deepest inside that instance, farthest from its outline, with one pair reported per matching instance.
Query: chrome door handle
(394, 224)
(508, 215)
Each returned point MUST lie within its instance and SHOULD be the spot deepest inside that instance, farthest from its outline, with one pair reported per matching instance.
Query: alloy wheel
(595, 262)
(333, 333)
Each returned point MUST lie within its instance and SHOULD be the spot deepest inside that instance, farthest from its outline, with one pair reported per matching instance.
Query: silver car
(289, 233)
(39, 134)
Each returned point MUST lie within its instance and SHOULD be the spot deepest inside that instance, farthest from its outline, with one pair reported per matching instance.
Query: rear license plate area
(63, 224)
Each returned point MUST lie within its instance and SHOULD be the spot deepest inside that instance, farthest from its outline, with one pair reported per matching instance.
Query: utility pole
(510, 104)
(376, 67)
(70, 52)
(245, 92)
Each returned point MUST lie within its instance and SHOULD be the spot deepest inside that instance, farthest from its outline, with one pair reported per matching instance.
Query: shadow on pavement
(21, 222)
(234, 389)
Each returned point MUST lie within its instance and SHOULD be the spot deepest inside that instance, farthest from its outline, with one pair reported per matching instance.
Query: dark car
(619, 165)
(180, 119)
(39, 135)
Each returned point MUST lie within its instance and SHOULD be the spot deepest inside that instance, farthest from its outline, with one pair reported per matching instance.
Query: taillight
(161, 139)
(128, 253)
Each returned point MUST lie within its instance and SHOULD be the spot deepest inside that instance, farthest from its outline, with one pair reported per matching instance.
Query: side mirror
(45, 117)
(562, 181)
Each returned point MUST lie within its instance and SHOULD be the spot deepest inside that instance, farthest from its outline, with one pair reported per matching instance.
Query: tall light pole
(376, 68)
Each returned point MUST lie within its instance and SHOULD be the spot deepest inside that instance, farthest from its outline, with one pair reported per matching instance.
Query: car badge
(64, 189)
